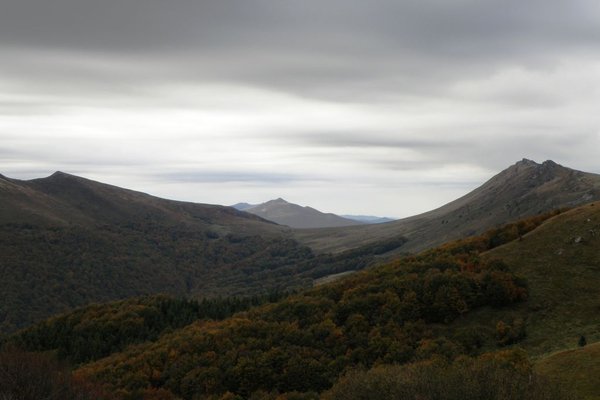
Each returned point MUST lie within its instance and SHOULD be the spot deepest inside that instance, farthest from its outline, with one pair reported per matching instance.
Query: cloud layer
(379, 107)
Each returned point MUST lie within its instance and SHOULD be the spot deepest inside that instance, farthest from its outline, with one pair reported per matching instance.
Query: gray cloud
(234, 177)
(368, 139)
(329, 95)
(337, 49)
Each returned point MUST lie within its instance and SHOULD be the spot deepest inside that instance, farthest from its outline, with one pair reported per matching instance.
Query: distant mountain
(365, 219)
(524, 189)
(295, 216)
(368, 219)
(243, 206)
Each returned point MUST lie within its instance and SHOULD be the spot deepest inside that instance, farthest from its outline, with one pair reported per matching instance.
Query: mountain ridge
(69, 241)
(72, 241)
(524, 189)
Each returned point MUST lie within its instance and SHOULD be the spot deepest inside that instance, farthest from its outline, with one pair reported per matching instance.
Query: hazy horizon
(382, 108)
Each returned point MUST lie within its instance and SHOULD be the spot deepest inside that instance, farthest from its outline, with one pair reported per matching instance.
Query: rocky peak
(525, 162)
(278, 200)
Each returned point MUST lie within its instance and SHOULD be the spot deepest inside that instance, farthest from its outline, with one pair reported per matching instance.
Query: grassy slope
(576, 368)
(563, 279)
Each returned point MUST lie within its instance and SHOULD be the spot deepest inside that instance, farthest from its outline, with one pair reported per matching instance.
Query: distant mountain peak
(283, 212)
(242, 206)
(279, 200)
(59, 175)
(527, 162)
(549, 162)
(530, 163)
(524, 189)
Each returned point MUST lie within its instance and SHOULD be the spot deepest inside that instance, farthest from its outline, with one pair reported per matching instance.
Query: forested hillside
(397, 313)
(442, 324)
(67, 241)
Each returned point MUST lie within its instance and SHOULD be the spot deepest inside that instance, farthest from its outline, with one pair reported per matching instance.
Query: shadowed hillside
(455, 300)
(67, 241)
(522, 190)
(477, 297)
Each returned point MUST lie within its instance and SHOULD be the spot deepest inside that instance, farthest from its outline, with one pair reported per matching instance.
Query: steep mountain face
(524, 189)
(295, 216)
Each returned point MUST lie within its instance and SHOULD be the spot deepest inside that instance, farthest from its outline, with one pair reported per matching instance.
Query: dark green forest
(99, 330)
(43, 275)
(392, 314)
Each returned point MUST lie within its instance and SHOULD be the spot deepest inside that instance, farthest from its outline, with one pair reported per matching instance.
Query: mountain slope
(524, 189)
(443, 303)
(67, 241)
(63, 199)
(561, 260)
(295, 216)
(303, 343)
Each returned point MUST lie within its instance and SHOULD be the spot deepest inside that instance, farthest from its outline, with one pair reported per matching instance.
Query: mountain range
(67, 241)
(449, 302)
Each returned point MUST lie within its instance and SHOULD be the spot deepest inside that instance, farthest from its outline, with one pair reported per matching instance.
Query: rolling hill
(295, 216)
(524, 189)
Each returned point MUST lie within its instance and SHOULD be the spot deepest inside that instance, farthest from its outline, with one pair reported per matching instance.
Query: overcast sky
(351, 106)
